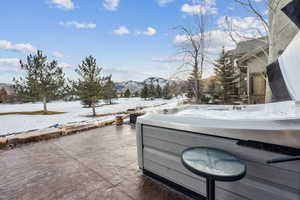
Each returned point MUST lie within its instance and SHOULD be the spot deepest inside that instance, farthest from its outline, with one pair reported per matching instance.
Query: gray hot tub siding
(159, 150)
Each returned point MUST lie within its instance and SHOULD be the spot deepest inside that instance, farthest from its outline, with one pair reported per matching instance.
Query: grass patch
(39, 112)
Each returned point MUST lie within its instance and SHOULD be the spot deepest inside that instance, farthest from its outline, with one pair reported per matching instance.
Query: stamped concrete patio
(97, 164)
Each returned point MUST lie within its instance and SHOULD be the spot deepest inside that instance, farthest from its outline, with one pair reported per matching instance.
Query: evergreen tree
(44, 81)
(189, 87)
(109, 91)
(213, 88)
(89, 87)
(226, 76)
(69, 93)
(158, 91)
(194, 87)
(152, 92)
(127, 93)
(145, 92)
(136, 94)
(166, 92)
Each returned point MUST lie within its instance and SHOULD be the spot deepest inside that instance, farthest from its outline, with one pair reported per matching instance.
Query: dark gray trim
(175, 186)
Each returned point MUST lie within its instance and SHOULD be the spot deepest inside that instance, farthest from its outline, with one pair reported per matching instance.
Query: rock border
(12, 141)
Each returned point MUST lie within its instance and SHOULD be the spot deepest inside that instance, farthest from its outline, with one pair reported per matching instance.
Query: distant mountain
(8, 87)
(134, 86)
(155, 81)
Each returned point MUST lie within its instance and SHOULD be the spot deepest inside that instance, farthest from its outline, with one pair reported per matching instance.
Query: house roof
(247, 49)
(250, 45)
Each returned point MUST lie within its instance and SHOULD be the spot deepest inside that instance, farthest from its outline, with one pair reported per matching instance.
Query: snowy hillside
(137, 86)
(131, 85)
(156, 80)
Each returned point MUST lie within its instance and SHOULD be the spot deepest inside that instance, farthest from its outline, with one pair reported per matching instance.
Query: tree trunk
(45, 105)
(272, 52)
(197, 90)
(197, 83)
(94, 109)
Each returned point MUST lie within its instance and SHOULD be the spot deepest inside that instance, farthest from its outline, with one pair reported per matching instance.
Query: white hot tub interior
(272, 111)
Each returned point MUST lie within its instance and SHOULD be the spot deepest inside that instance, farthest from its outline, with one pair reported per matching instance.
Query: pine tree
(145, 92)
(166, 92)
(158, 91)
(127, 93)
(152, 92)
(89, 87)
(44, 81)
(189, 87)
(109, 91)
(226, 76)
(136, 94)
(212, 88)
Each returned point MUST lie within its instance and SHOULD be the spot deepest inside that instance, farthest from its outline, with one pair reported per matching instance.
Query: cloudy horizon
(131, 41)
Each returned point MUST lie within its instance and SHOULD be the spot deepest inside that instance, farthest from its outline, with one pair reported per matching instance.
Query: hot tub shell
(161, 138)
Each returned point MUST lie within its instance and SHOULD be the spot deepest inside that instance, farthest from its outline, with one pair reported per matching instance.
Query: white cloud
(14, 62)
(163, 3)
(247, 25)
(214, 41)
(64, 65)
(78, 25)
(57, 54)
(21, 47)
(122, 30)
(111, 5)
(63, 4)
(198, 9)
(150, 31)
(9, 65)
(171, 59)
(204, 2)
(124, 73)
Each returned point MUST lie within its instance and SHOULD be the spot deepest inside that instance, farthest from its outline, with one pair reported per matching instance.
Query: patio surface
(97, 164)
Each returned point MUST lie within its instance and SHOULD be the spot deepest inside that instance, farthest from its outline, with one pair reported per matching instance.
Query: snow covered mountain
(155, 81)
(137, 86)
(131, 85)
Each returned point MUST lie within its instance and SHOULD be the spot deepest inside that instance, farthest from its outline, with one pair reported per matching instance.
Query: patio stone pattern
(96, 164)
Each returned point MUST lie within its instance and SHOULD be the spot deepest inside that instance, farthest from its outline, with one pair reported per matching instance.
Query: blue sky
(131, 39)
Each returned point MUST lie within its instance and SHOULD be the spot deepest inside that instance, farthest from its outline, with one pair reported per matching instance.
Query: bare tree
(268, 23)
(193, 48)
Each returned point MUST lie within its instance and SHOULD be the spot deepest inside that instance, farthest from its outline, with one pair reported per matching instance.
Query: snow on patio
(74, 113)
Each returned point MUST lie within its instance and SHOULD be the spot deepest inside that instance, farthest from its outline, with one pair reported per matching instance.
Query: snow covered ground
(74, 113)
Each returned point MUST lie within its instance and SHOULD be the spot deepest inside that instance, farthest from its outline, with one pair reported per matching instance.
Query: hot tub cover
(292, 11)
(289, 63)
(283, 74)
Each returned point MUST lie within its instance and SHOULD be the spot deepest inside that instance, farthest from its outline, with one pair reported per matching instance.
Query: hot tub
(255, 133)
